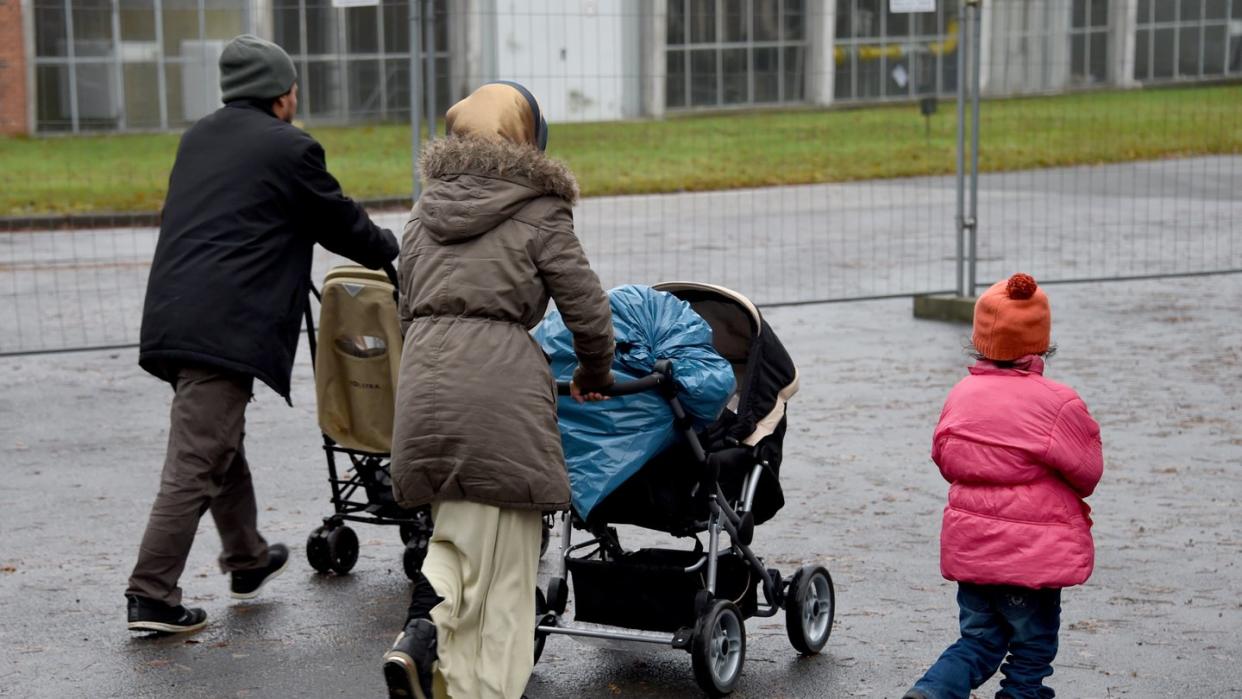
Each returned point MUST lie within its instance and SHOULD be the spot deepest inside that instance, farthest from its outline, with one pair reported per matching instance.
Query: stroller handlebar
(659, 377)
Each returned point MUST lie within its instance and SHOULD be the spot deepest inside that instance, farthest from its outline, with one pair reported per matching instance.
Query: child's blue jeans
(996, 619)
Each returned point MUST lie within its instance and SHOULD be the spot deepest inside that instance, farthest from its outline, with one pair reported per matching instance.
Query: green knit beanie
(254, 68)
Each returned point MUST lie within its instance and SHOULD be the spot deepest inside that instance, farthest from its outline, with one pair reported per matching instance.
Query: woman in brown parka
(490, 240)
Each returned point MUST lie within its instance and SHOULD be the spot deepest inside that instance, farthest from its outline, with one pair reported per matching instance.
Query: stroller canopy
(606, 443)
(765, 374)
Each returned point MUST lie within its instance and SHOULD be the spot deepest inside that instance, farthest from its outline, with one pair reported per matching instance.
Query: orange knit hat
(1012, 319)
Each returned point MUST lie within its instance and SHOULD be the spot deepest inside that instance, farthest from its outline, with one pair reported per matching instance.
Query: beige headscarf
(494, 112)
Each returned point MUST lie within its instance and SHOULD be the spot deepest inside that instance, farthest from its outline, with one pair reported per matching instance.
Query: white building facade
(125, 65)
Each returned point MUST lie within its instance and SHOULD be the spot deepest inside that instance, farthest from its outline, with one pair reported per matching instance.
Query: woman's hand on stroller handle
(660, 375)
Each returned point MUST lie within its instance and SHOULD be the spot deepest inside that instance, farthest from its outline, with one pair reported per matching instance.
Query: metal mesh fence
(796, 151)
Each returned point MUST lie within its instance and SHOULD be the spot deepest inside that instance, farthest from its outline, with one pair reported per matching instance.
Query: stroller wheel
(541, 617)
(719, 649)
(342, 549)
(317, 550)
(810, 606)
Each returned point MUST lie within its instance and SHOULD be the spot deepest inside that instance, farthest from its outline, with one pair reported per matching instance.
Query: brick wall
(14, 92)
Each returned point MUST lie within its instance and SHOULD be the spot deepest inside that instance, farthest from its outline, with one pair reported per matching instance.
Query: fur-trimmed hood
(518, 163)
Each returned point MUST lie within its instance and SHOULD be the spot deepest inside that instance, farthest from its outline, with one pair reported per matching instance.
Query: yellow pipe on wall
(876, 52)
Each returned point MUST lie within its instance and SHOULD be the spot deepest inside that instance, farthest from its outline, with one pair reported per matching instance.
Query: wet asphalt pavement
(1159, 363)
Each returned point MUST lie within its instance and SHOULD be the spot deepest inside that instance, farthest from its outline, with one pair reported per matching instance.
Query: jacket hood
(473, 184)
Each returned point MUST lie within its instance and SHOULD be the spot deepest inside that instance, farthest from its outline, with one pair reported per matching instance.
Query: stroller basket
(652, 589)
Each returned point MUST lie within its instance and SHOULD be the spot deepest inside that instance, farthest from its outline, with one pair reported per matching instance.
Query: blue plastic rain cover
(607, 442)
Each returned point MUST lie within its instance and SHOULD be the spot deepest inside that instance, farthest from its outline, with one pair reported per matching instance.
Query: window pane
(676, 22)
(442, 25)
(285, 28)
(842, 87)
(870, 79)
(702, 21)
(767, 75)
(50, 30)
(1192, 9)
(926, 23)
(224, 19)
(397, 78)
(1099, 13)
(52, 110)
(734, 65)
(322, 88)
(1144, 11)
(1078, 57)
(362, 30)
(97, 96)
(1142, 54)
(92, 28)
(795, 20)
(736, 21)
(1165, 10)
(320, 27)
(173, 97)
(767, 20)
(1079, 14)
(1162, 48)
(897, 24)
(703, 90)
(142, 97)
(180, 24)
(137, 20)
(675, 80)
(845, 21)
(365, 98)
(443, 97)
(1216, 9)
(867, 20)
(1099, 57)
(397, 27)
(1188, 51)
(795, 72)
(1215, 45)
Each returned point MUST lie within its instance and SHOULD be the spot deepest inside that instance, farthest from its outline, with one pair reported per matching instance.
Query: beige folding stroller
(357, 355)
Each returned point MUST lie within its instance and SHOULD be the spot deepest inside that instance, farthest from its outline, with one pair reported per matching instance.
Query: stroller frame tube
(720, 516)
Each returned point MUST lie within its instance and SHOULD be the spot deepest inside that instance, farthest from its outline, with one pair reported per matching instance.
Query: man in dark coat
(248, 198)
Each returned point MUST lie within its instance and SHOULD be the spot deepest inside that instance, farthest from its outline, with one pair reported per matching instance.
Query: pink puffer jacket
(1020, 452)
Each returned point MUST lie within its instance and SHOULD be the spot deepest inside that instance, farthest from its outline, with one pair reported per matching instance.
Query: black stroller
(356, 355)
(725, 478)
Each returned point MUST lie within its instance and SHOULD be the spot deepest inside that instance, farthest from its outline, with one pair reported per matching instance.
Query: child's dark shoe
(409, 664)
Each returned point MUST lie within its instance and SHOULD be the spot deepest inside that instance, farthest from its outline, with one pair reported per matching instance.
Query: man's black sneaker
(409, 665)
(245, 584)
(915, 694)
(152, 615)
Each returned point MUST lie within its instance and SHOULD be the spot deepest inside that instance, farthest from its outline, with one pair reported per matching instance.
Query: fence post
(959, 307)
(416, 102)
(976, 35)
(429, 27)
(960, 261)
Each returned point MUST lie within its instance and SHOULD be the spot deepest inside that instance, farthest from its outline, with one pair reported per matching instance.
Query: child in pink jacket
(1020, 453)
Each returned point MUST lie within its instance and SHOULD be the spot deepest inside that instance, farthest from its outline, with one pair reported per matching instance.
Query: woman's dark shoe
(151, 615)
(245, 584)
(409, 664)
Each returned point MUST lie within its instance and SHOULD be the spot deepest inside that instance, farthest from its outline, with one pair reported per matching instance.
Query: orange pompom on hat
(1012, 319)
